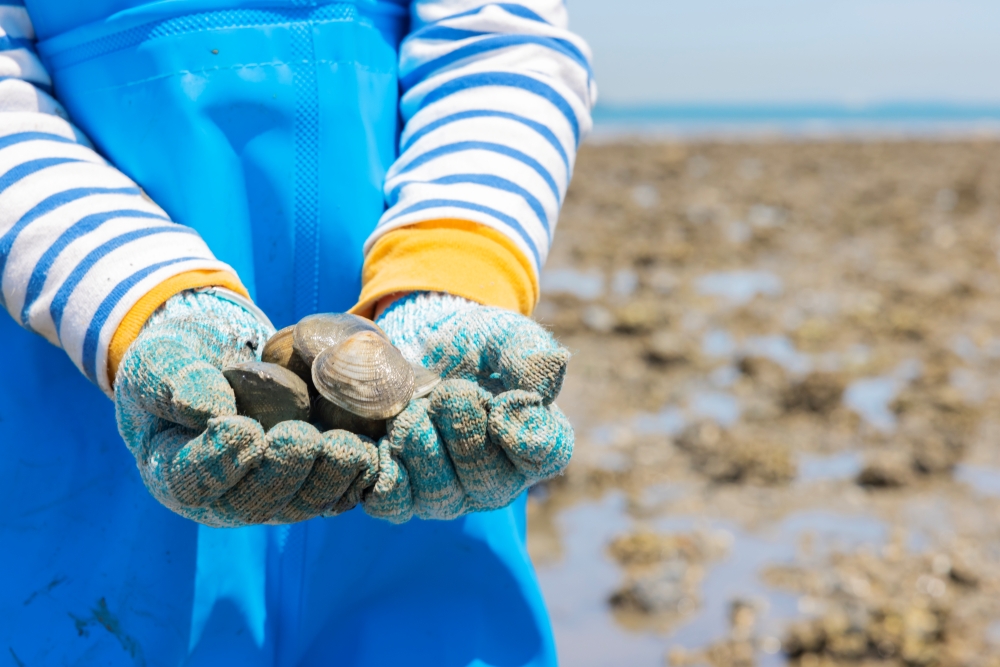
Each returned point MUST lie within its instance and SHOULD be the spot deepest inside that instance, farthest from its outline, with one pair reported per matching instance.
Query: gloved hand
(489, 430)
(177, 414)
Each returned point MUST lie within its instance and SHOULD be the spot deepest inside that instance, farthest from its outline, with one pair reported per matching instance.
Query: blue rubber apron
(269, 129)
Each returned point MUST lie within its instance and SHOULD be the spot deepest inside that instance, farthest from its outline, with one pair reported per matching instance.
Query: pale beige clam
(315, 333)
(268, 392)
(424, 380)
(366, 375)
(280, 350)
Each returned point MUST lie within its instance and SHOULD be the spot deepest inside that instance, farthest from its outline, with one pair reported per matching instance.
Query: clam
(361, 377)
(366, 375)
(315, 333)
(423, 380)
(332, 416)
(268, 392)
(280, 350)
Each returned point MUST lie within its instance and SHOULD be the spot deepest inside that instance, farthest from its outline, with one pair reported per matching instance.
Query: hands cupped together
(486, 433)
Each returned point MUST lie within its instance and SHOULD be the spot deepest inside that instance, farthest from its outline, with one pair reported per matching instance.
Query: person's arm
(85, 256)
(496, 97)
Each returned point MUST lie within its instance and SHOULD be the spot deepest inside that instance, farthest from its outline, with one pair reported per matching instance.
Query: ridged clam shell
(315, 333)
(269, 393)
(424, 380)
(332, 416)
(280, 350)
(365, 374)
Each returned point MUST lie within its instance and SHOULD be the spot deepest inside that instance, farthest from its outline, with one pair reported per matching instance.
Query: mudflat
(785, 388)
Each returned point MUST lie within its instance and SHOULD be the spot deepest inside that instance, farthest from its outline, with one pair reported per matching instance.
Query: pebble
(667, 347)
(887, 469)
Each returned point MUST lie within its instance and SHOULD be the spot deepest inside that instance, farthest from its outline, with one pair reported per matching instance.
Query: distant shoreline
(896, 120)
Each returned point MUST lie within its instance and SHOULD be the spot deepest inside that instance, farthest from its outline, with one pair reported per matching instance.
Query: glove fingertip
(528, 357)
(541, 372)
(293, 432)
(186, 470)
(198, 394)
(537, 438)
(390, 497)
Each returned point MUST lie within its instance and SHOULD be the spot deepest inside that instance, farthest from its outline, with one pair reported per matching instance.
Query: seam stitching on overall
(306, 171)
(200, 22)
(276, 63)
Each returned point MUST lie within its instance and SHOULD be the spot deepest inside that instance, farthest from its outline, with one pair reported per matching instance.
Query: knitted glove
(489, 430)
(177, 414)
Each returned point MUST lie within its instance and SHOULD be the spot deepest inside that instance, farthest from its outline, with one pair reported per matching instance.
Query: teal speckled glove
(177, 414)
(489, 430)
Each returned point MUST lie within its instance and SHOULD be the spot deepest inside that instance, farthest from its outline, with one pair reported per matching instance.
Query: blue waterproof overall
(268, 127)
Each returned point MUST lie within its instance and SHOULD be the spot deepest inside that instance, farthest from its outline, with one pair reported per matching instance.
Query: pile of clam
(336, 370)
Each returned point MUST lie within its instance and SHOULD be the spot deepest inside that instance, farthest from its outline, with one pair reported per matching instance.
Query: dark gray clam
(366, 375)
(268, 392)
(316, 333)
(280, 350)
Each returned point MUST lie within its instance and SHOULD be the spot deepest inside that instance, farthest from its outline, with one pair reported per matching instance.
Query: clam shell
(424, 380)
(365, 374)
(269, 393)
(332, 416)
(280, 350)
(315, 333)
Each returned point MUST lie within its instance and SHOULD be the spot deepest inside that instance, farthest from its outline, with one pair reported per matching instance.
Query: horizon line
(930, 110)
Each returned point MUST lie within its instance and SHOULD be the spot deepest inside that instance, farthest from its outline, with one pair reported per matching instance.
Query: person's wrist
(153, 302)
(387, 301)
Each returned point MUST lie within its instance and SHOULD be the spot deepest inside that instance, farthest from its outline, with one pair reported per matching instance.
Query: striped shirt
(80, 243)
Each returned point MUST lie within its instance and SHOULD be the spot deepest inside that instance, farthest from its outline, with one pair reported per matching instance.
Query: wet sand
(784, 386)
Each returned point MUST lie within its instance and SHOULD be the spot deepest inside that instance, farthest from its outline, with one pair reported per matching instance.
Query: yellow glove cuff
(136, 317)
(454, 256)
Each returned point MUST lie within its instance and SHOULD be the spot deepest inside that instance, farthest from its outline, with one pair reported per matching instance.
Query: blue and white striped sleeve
(80, 243)
(496, 97)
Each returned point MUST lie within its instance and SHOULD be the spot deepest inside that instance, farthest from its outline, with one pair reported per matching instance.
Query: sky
(852, 52)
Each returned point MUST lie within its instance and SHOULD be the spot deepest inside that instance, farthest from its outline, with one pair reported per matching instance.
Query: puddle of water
(993, 633)
(766, 217)
(984, 480)
(669, 421)
(724, 376)
(718, 343)
(624, 282)
(813, 468)
(739, 287)
(720, 407)
(724, 409)
(870, 397)
(645, 195)
(781, 351)
(737, 576)
(578, 587)
(965, 348)
(656, 496)
(970, 384)
(584, 285)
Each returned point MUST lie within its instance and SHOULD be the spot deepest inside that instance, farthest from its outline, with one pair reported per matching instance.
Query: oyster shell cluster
(334, 369)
